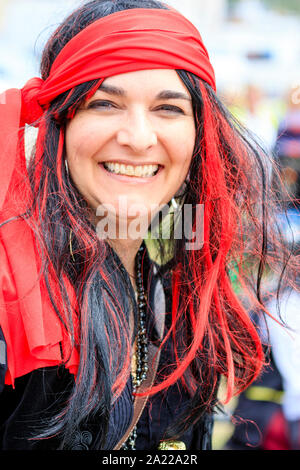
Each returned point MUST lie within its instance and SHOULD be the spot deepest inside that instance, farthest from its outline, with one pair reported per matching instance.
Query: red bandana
(126, 41)
(130, 40)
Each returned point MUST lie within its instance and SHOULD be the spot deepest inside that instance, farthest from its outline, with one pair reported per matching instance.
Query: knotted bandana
(127, 41)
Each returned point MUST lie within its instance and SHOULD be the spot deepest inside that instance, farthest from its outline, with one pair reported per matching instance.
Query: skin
(143, 117)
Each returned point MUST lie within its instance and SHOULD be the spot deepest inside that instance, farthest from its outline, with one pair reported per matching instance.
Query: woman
(128, 123)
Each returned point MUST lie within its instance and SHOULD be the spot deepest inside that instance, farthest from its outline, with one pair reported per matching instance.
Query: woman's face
(132, 141)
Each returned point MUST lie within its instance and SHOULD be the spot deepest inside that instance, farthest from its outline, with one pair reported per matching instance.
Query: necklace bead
(141, 343)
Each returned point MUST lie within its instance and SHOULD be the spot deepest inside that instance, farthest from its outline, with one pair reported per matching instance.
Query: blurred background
(254, 46)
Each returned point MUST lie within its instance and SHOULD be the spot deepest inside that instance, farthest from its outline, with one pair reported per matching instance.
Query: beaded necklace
(141, 354)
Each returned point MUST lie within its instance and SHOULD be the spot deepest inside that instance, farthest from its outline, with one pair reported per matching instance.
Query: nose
(137, 132)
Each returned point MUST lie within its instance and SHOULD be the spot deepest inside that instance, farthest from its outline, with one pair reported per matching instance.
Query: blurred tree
(3, 4)
(289, 6)
(284, 5)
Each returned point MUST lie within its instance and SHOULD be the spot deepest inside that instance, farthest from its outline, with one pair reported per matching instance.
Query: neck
(127, 249)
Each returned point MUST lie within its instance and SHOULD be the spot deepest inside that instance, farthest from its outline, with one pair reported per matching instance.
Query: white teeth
(130, 170)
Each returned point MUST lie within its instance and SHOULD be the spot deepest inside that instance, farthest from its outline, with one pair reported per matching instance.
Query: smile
(141, 171)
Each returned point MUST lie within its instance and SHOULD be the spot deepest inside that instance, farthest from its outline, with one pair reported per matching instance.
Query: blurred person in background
(287, 147)
(257, 116)
(285, 345)
(267, 414)
(251, 107)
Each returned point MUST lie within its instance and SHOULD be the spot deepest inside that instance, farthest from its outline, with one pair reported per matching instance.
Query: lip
(131, 179)
(128, 162)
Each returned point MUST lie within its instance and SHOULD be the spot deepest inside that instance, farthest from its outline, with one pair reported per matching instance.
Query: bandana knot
(31, 109)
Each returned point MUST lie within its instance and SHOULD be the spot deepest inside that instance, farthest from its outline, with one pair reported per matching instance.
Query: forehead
(154, 80)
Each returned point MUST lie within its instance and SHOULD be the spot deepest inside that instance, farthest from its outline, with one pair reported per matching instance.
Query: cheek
(82, 140)
(183, 143)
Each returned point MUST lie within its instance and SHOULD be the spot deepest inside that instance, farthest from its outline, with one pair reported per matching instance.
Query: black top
(40, 394)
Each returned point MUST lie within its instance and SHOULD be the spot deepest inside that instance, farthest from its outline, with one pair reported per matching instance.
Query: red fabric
(33, 332)
(126, 41)
(31, 109)
(276, 437)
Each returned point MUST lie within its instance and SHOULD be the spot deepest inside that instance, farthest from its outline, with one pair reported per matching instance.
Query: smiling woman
(112, 341)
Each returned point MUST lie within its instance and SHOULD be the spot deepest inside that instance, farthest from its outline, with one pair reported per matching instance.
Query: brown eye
(170, 109)
(101, 104)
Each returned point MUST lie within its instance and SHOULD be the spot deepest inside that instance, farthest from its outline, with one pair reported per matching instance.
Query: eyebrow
(173, 95)
(163, 95)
